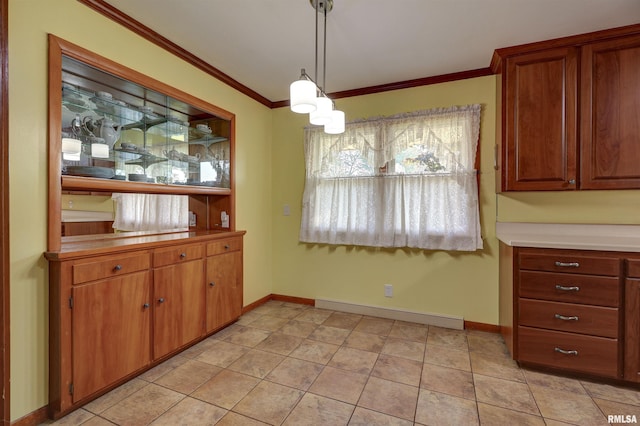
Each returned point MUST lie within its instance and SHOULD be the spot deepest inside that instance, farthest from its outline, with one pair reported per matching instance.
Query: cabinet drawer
(170, 256)
(109, 266)
(583, 319)
(588, 354)
(572, 288)
(224, 246)
(633, 268)
(569, 263)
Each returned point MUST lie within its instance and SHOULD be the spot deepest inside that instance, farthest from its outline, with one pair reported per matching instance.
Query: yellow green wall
(29, 23)
(602, 207)
(460, 284)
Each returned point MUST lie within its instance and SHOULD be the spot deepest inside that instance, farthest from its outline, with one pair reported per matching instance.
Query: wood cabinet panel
(224, 289)
(224, 246)
(179, 306)
(633, 268)
(588, 354)
(110, 331)
(610, 107)
(109, 266)
(572, 288)
(569, 112)
(182, 253)
(541, 128)
(570, 317)
(569, 262)
(632, 330)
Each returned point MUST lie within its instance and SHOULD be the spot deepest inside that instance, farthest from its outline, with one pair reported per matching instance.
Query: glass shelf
(151, 137)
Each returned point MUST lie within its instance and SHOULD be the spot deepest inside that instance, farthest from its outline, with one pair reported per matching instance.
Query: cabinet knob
(227, 246)
(572, 181)
(183, 255)
(145, 306)
(212, 284)
(161, 300)
(117, 267)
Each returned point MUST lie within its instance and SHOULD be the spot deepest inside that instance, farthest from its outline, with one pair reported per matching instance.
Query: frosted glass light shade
(322, 114)
(99, 150)
(336, 125)
(71, 146)
(302, 95)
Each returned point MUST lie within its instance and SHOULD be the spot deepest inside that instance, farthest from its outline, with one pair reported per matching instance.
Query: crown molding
(137, 27)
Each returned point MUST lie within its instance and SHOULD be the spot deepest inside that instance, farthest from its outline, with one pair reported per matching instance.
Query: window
(403, 181)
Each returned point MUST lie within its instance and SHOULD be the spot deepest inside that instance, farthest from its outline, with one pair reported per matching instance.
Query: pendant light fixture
(306, 96)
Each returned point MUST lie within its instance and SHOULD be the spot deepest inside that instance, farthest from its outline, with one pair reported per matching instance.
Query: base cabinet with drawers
(572, 310)
(117, 310)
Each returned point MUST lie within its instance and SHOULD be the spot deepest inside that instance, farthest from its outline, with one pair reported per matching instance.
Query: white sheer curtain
(403, 181)
(151, 212)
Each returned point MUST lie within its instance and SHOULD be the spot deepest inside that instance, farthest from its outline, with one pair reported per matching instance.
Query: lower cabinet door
(110, 331)
(179, 306)
(575, 352)
(224, 289)
(632, 330)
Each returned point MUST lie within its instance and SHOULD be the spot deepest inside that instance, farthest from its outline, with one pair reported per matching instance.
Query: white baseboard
(392, 313)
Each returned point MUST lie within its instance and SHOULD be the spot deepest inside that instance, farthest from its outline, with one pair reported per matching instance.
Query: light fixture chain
(324, 49)
(316, 57)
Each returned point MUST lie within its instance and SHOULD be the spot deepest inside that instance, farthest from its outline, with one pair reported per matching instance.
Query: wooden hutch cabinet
(122, 302)
(569, 110)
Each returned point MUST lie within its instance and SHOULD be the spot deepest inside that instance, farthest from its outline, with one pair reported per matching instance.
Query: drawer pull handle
(117, 267)
(227, 246)
(565, 318)
(161, 300)
(563, 288)
(568, 264)
(183, 255)
(146, 306)
(212, 284)
(562, 351)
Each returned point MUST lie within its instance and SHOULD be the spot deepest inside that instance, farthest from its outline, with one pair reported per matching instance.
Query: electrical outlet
(286, 210)
(388, 290)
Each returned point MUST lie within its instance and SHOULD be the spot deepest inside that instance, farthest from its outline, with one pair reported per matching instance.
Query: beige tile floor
(292, 364)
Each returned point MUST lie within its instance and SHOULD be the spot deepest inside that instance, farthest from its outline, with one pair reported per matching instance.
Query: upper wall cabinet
(610, 114)
(570, 113)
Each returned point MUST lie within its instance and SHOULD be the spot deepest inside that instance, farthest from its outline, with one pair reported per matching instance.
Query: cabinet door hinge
(70, 388)
(71, 302)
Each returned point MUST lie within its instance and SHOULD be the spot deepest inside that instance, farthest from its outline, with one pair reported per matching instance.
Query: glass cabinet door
(117, 129)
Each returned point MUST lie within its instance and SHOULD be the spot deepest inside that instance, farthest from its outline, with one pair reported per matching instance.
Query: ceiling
(263, 44)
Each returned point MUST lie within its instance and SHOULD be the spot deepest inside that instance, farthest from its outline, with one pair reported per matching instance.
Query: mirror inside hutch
(122, 132)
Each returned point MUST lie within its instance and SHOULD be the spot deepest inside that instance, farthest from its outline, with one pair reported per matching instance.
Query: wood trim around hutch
(5, 278)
